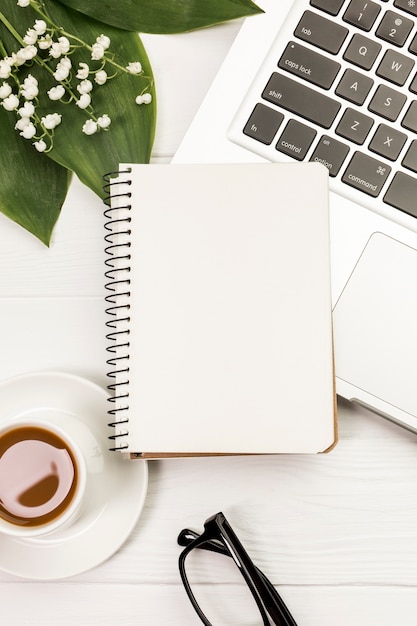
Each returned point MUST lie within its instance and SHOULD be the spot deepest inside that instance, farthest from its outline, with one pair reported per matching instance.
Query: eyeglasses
(209, 597)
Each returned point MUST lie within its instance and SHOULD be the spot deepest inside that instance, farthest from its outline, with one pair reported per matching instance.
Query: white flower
(83, 71)
(104, 41)
(65, 44)
(85, 86)
(22, 123)
(5, 91)
(23, 3)
(55, 50)
(27, 110)
(61, 74)
(5, 69)
(45, 42)
(25, 54)
(84, 101)
(56, 93)
(63, 69)
(29, 88)
(40, 26)
(134, 68)
(104, 121)
(101, 77)
(97, 51)
(31, 36)
(51, 120)
(60, 47)
(40, 145)
(11, 102)
(90, 127)
(29, 131)
(145, 98)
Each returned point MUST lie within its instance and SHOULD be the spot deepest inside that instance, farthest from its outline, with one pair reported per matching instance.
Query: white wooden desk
(336, 533)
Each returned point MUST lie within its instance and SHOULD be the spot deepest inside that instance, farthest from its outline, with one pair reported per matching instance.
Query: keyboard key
(321, 32)
(354, 126)
(366, 174)
(413, 85)
(362, 51)
(354, 86)
(310, 65)
(410, 118)
(387, 102)
(362, 13)
(387, 142)
(413, 45)
(402, 193)
(395, 67)
(394, 28)
(263, 124)
(329, 6)
(406, 5)
(300, 99)
(410, 159)
(330, 153)
(296, 140)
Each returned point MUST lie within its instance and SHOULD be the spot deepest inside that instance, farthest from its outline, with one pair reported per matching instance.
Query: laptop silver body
(373, 244)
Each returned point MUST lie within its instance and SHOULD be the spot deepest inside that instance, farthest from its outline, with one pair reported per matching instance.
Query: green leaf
(130, 135)
(164, 16)
(32, 190)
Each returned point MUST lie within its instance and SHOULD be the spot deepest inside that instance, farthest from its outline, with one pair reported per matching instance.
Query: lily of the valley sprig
(77, 94)
(51, 46)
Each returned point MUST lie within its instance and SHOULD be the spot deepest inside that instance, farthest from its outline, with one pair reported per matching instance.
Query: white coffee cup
(42, 478)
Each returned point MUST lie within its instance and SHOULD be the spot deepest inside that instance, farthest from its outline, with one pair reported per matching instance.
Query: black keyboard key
(310, 65)
(354, 86)
(407, 5)
(387, 102)
(413, 45)
(388, 142)
(329, 6)
(394, 28)
(410, 118)
(362, 13)
(366, 174)
(296, 140)
(263, 124)
(354, 126)
(413, 84)
(395, 67)
(362, 51)
(410, 159)
(321, 32)
(300, 99)
(402, 193)
(331, 153)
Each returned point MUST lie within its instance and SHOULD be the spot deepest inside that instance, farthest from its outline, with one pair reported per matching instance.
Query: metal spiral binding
(117, 273)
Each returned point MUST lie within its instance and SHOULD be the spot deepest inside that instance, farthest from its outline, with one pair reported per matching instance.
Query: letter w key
(395, 67)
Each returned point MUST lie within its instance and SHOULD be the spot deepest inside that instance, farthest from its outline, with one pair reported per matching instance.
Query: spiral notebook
(219, 322)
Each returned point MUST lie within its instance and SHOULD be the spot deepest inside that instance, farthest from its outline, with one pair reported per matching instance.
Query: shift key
(301, 100)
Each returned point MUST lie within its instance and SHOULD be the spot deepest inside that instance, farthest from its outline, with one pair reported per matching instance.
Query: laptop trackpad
(375, 324)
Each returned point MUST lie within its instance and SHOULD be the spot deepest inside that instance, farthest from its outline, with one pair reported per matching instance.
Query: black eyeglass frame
(218, 536)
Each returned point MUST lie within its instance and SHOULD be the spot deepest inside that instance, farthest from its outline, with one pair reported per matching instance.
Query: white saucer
(116, 488)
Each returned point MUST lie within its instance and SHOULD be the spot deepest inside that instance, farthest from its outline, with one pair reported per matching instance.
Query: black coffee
(38, 476)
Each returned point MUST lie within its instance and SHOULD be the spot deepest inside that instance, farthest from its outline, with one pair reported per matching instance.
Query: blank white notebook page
(230, 311)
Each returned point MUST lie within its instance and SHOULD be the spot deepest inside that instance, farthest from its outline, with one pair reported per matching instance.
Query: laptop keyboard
(341, 89)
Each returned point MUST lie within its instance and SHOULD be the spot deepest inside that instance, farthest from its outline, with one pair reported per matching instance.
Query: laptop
(335, 81)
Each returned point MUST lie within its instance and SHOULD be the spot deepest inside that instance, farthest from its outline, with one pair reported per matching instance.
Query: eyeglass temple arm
(187, 536)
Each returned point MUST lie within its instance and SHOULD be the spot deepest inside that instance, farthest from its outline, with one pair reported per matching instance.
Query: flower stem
(11, 29)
